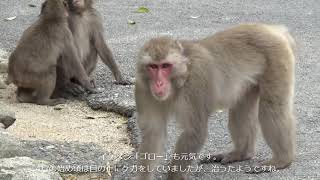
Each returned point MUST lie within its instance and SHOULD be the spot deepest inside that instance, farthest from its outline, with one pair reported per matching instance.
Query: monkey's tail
(283, 31)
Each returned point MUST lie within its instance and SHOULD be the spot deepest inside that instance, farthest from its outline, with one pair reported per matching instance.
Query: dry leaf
(142, 10)
(131, 22)
(195, 17)
(11, 18)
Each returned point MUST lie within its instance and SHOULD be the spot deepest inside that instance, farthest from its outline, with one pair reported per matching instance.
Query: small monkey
(86, 26)
(32, 65)
(248, 69)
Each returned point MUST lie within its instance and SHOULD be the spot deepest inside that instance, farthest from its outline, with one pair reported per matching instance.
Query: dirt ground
(70, 122)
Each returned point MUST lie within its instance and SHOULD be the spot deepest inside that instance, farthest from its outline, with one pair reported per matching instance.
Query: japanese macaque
(86, 26)
(248, 69)
(33, 64)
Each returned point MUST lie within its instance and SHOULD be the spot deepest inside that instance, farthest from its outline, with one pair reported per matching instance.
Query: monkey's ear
(43, 6)
(179, 45)
(89, 3)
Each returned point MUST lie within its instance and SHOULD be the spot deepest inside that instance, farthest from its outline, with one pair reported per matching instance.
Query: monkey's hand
(93, 83)
(124, 82)
(74, 89)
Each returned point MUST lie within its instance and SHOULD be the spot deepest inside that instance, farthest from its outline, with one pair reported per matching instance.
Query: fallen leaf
(11, 18)
(96, 117)
(195, 17)
(57, 108)
(32, 5)
(124, 121)
(90, 117)
(131, 22)
(142, 10)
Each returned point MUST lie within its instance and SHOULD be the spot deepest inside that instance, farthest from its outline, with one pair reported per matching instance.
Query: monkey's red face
(160, 83)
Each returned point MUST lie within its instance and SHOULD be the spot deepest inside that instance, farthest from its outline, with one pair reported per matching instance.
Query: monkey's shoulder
(90, 19)
(94, 15)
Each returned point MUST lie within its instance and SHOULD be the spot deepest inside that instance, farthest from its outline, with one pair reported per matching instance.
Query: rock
(70, 154)
(22, 168)
(10, 146)
(118, 99)
(36, 174)
(7, 118)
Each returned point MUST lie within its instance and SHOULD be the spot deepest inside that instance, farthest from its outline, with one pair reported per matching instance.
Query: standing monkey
(248, 69)
(86, 26)
(33, 64)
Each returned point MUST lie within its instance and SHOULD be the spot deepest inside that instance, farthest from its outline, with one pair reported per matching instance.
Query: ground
(176, 18)
(69, 134)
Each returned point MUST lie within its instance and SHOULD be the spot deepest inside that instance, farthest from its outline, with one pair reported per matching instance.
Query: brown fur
(87, 29)
(248, 69)
(32, 65)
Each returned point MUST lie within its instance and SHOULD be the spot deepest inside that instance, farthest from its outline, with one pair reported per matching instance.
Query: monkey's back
(37, 52)
(248, 55)
(83, 27)
(245, 42)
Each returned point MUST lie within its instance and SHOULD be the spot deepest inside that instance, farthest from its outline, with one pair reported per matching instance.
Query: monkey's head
(79, 6)
(55, 9)
(162, 67)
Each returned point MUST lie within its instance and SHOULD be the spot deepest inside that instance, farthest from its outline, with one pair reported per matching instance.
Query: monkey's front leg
(74, 89)
(190, 141)
(154, 132)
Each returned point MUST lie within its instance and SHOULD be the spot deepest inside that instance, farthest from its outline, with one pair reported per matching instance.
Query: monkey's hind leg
(25, 95)
(278, 128)
(45, 90)
(276, 118)
(243, 120)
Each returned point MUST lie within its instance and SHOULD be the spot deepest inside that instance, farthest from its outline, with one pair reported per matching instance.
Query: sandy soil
(73, 121)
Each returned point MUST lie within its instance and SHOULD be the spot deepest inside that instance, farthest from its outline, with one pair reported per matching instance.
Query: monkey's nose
(159, 83)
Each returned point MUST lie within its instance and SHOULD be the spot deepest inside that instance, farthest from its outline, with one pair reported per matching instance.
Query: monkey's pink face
(160, 83)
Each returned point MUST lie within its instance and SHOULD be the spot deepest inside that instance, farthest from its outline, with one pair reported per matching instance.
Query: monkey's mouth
(157, 92)
(161, 96)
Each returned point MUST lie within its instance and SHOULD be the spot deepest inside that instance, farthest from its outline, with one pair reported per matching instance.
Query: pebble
(7, 118)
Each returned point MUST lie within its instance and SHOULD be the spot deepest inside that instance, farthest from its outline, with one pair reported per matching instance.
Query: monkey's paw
(74, 89)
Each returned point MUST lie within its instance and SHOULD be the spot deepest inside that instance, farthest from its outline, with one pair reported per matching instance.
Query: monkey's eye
(65, 4)
(153, 66)
(166, 65)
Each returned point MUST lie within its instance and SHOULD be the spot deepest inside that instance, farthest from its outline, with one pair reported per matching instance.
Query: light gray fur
(248, 69)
